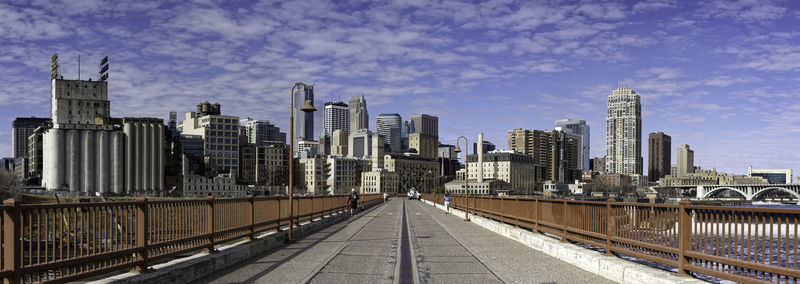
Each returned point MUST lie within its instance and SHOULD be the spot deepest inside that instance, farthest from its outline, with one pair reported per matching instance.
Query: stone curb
(609, 267)
(188, 269)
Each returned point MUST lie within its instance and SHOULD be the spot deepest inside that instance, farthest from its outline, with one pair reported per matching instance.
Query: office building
(314, 175)
(685, 160)
(773, 176)
(487, 147)
(261, 132)
(379, 181)
(21, 128)
(579, 128)
(406, 129)
(556, 151)
(344, 174)
(425, 145)
(359, 118)
(659, 156)
(599, 164)
(624, 132)
(389, 125)
(35, 156)
(710, 177)
(339, 143)
(307, 149)
(220, 134)
(425, 124)
(172, 125)
(303, 121)
(324, 144)
(336, 117)
(518, 170)
(359, 144)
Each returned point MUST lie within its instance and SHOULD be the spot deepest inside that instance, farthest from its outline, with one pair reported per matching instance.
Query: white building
(624, 132)
(685, 161)
(579, 128)
(774, 176)
(337, 117)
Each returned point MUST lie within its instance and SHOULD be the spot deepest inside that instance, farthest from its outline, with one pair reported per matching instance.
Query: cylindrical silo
(146, 156)
(160, 158)
(117, 163)
(48, 161)
(152, 175)
(129, 134)
(73, 160)
(137, 157)
(101, 139)
(59, 158)
(88, 162)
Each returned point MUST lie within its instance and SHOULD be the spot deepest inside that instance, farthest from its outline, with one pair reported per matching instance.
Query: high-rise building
(487, 147)
(359, 144)
(556, 151)
(21, 128)
(260, 132)
(425, 124)
(220, 134)
(579, 128)
(659, 156)
(405, 129)
(389, 125)
(337, 117)
(685, 160)
(303, 121)
(172, 125)
(624, 132)
(425, 145)
(359, 118)
(599, 164)
(339, 143)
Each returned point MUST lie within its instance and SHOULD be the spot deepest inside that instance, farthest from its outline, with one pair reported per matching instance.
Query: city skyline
(719, 76)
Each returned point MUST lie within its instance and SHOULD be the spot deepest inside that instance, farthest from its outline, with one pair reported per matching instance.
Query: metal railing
(733, 243)
(66, 242)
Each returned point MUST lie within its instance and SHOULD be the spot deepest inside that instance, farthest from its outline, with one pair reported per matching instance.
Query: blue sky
(722, 76)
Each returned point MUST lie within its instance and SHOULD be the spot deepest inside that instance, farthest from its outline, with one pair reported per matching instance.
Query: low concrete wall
(197, 266)
(610, 267)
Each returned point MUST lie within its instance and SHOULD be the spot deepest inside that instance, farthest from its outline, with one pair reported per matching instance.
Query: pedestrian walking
(446, 203)
(385, 196)
(353, 201)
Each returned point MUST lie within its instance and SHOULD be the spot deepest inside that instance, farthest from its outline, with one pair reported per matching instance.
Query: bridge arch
(717, 190)
(758, 195)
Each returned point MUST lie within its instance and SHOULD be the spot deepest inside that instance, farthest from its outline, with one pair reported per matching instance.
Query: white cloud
(724, 80)
(746, 11)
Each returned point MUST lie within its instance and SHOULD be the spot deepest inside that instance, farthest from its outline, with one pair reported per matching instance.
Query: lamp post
(466, 171)
(307, 107)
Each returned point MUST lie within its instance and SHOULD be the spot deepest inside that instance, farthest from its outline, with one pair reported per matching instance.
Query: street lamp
(466, 171)
(307, 107)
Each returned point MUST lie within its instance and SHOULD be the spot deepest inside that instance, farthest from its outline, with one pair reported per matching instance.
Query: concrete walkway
(372, 247)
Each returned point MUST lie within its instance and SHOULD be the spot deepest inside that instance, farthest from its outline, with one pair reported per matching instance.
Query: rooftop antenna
(79, 67)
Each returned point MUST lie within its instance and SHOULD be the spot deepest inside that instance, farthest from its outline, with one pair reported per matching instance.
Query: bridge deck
(371, 248)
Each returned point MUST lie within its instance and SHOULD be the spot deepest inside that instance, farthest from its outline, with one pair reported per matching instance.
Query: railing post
(536, 214)
(566, 221)
(611, 220)
(278, 207)
(684, 236)
(142, 234)
(12, 252)
(516, 211)
(252, 212)
(210, 223)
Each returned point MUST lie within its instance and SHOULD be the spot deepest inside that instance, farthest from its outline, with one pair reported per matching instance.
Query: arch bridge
(748, 191)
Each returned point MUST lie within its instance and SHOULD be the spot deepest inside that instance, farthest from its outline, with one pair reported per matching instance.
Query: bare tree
(8, 182)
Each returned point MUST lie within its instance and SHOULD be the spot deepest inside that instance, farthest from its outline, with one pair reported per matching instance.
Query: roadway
(404, 241)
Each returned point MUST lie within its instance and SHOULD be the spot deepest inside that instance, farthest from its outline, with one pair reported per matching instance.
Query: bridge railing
(742, 244)
(66, 242)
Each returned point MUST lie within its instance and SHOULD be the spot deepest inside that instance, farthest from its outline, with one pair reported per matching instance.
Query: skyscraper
(172, 125)
(555, 150)
(337, 117)
(425, 124)
(21, 128)
(259, 132)
(580, 128)
(303, 121)
(624, 133)
(388, 125)
(685, 160)
(659, 156)
(359, 118)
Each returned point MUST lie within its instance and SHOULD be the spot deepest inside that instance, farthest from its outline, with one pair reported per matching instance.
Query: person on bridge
(353, 200)
(385, 196)
(446, 203)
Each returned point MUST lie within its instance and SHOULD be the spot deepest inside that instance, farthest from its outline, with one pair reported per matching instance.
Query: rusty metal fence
(749, 245)
(66, 242)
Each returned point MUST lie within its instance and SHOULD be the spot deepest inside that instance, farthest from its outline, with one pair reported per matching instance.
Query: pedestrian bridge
(749, 191)
(506, 240)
